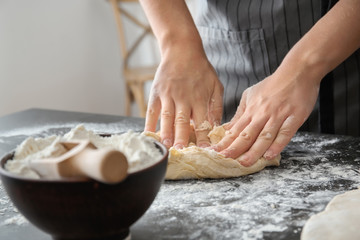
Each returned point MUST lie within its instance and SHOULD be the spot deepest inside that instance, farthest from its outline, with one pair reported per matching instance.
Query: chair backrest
(119, 12)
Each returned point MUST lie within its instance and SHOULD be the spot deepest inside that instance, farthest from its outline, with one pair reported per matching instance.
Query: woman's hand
(185, 88)
(271, 111)
(269, 114)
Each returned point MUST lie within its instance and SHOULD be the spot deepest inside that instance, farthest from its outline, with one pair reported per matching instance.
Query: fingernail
(215, 148)
(167, 143)
(179, 146)
(227, 132)
(269, 155)
(244, 158)
(225, 153)
(204, 145)
(217, 123)
(226, 126)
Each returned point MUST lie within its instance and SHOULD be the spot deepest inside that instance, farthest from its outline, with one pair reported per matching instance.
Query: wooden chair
(135, 77)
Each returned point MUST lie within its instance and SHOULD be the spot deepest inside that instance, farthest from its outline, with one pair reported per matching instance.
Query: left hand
(269, 114)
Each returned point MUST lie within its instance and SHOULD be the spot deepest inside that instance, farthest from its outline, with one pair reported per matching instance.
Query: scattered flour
(18, 220)
(272, 201)
(271, 204)
(44, 130)
(139, 149)
(8, 212)
(327, 142)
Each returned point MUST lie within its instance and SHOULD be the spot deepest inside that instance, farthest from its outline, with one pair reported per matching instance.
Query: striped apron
(246, 40)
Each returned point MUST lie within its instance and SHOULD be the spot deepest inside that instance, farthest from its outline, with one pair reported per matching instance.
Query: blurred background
(66, 55)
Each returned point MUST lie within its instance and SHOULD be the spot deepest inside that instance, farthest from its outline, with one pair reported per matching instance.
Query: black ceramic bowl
(85, 209)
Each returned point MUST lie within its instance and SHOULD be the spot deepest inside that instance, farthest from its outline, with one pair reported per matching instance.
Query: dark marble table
(272, 204)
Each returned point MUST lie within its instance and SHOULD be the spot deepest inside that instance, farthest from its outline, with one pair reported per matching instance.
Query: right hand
(185, 88)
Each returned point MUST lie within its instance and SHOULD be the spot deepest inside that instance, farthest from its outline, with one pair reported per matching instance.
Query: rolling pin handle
(105, 164)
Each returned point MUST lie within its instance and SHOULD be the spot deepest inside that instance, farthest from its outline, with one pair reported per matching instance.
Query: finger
(239, 112)
(262, 143)
(167, 123)
(201, 125)
(286, 132)
(216, 106)
(152, 114)
(245, 139)
(232, 134)
(182, 127)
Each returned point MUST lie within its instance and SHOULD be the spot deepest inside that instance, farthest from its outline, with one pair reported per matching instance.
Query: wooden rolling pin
(83, 159)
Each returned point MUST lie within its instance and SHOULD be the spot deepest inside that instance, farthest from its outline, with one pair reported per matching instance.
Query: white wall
(63, 55)
(60, 55)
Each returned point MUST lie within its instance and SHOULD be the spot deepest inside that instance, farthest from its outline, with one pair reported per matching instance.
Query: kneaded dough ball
(193, 162)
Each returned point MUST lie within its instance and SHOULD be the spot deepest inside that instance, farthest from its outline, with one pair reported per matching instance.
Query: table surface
(272, 204)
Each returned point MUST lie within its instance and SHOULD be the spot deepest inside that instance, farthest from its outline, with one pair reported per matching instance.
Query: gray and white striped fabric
(246, 40)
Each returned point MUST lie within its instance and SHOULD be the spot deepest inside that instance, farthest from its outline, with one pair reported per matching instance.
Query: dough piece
(193, 162)
(340, 219)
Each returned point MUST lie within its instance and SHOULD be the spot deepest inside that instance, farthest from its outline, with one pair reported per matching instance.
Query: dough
(340, 219)
(193, 162)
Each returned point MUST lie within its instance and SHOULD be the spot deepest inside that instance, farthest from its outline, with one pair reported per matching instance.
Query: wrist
(180, 41)
(304, 63)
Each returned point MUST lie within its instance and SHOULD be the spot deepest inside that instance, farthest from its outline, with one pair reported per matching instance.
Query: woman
(276, 56)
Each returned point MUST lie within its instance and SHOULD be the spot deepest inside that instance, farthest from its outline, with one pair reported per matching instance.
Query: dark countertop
(272, 204)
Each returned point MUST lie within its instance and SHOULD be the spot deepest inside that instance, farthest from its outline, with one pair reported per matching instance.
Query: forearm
(331, 40)
(172, 24)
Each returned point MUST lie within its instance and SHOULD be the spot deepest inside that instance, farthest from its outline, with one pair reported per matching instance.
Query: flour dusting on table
(260, 206)
(12, 216)
(272, 204)
(62, 128)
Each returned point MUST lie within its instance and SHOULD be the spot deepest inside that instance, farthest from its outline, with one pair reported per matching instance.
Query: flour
(259, 206)
(46, 129)
(139, 150)
(18, 220)
(8, 212)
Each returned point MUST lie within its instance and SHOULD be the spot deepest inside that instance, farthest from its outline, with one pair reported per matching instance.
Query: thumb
(239, 111)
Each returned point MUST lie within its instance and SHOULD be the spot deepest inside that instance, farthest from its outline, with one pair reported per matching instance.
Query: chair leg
(138, 91)
(142, 102)
(129, 98)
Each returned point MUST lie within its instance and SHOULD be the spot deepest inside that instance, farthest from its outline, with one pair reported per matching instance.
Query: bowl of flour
(82, 208)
